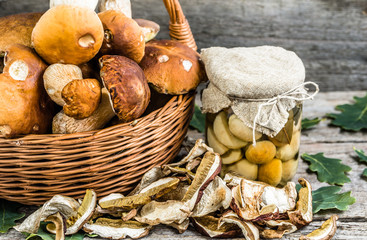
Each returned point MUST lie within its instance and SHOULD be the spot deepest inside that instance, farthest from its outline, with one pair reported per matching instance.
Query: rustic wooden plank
(329, 36)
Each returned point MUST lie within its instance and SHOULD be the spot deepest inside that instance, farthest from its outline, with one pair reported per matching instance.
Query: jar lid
(253, 72)
(260, 84)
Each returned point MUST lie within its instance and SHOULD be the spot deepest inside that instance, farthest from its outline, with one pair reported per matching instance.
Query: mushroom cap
(123, 36)
(271, 172)
(263, 152)
(57, 76)
(171, 67)
(68, 34)
(120, 5)
(150, 29)
(127, 85)
(25, 105)
(82, 97)
(17, 29)
(92, 4)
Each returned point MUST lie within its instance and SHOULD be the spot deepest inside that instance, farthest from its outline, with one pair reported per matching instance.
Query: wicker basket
(33, 168)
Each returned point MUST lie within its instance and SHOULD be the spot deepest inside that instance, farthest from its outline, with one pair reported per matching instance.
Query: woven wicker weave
(33, 168)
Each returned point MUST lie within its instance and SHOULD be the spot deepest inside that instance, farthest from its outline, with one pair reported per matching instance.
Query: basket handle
(179, 27)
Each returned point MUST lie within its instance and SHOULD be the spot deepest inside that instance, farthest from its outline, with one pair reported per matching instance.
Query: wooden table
(335, 143)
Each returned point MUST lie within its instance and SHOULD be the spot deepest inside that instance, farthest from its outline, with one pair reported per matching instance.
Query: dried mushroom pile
(90, 71)
(177, 194)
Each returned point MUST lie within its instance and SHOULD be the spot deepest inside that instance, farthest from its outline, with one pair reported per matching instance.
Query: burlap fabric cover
(258, 83)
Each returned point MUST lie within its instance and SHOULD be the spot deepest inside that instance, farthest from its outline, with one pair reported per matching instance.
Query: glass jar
(273, 160)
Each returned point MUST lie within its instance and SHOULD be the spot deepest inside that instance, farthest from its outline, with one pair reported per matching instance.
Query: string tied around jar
(296, 94)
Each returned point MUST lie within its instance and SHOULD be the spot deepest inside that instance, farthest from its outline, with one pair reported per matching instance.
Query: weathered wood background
(329, 35)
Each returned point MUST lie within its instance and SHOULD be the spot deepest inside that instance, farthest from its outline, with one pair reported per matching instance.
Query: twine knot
(297, 94)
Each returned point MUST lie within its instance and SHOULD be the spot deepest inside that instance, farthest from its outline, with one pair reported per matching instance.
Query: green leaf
(45, 235)
(353, 117)
(328, 170)
(328, 198)
(9, 215)
(309, 123)
(198, 120)
(365, 172)
(362, 158)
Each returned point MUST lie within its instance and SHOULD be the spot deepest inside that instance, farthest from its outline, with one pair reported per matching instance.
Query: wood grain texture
(330, 36)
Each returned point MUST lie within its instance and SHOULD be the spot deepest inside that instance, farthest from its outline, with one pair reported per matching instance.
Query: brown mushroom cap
(25, 105)
(17, 29)
(82, 97)
(68, 34)
(127, 86)
(123, 36)
(171, 67)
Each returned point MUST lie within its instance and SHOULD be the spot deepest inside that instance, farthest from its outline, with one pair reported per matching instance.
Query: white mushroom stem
(120, 5)
(92, 4)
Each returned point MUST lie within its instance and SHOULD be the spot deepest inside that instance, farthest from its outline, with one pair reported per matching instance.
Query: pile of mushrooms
(91, 68)
(177, 194)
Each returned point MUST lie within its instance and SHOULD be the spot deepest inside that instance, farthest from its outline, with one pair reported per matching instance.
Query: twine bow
(292, 94)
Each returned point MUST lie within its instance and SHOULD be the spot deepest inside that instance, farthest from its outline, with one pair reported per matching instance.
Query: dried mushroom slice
(283, 198)
(117, 228)
(282, 227)
(208, 169)
(65, 205)
(110, 197)
(199, 149)
(160, 182)
(215, 196)
(257, 201)
(167, 212)
(249, 230)
(183, 171)
(181, 228)
(246, 199)
(176, 194)
(302, 216)
(126, 216)
(58, 226)
(148, 178)
(84, 213)
(232, 179)
(134, 201)
(325, 232)
(208, 226)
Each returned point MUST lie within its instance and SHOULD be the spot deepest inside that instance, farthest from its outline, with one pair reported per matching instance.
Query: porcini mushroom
(99, 118)
(82, 97)
(213, 141)
(172, 67)
(56, 77)
(271, 172)
(91, 4)
(122, 36)
(245, 168)
(150, 29)
(127, 85)
(262, 153)
(68, 34)
(224, 135)
(58, 226)
(240, 130)
(120, 5)
(17, 29)
(25, 106)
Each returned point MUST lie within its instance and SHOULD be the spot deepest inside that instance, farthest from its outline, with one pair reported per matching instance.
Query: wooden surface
(334, 143)
(330, 36)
